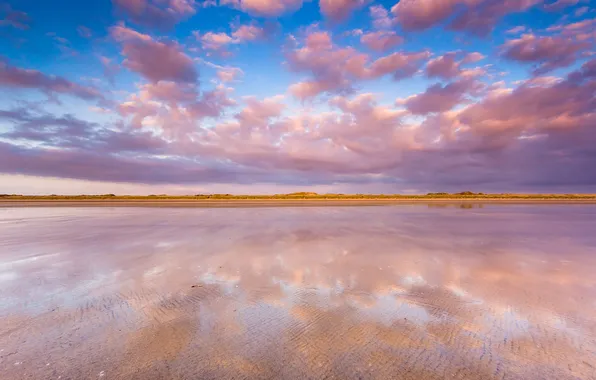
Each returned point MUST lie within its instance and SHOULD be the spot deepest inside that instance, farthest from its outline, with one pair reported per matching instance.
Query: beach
(411, 291)
(148, 202)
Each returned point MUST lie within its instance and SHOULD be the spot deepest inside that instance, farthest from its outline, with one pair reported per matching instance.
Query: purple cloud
(307, 107)
(475, 16)
(548, 53)
(340, 10)
(16, 77)
(153, 59)
(439, 98)
(162, 14)
(334, 68)
(14, 18)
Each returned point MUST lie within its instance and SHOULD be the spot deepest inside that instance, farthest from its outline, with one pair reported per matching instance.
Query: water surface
(391, 292)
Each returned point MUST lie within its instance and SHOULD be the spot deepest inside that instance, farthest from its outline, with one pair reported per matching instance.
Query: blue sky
(267, 96)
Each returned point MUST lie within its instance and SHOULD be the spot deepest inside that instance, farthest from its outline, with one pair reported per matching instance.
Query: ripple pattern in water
(393, 292)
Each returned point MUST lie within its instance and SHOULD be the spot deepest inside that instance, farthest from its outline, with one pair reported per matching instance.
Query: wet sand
(420, 291)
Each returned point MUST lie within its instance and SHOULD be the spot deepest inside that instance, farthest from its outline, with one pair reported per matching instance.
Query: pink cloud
(481, 16)
(587, 71)
(267, 8)
(560, 5)
(334, 68)
(468, 137)
(219, 42)
(212, 103)
(319, 41)
(578, 31)
(516, 30)
(16, 77)
(380, 17)
(548, 53)
(335, 143)
(381, 40)
(400, 65)
(172, 107)
(229, 74)
(259, 112)
(575, 27)
(248, 33)
(422, 14)
(153, 59)
(439, 98)
(444, 66)
(545, 138)
(448, 66)
(157, 13)
(362, 114)
(310, 89)
(169, 92)
(216, 41)
(339, 10)
(533, 131)
(473, 57)
(552, 104)
(225, 73)
(476, 16)
(330, 66)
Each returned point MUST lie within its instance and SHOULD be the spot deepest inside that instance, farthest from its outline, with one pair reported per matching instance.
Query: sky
(277, 96)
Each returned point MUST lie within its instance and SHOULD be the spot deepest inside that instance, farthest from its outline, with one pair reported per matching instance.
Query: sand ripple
(406, 292)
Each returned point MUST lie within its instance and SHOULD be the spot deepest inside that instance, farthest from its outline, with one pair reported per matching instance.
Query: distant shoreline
(264, 202)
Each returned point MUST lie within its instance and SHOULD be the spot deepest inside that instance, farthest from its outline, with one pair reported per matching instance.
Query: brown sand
(497, 292)
(279, 202)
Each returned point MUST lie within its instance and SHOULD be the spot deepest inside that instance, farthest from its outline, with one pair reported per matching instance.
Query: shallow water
(391, 292)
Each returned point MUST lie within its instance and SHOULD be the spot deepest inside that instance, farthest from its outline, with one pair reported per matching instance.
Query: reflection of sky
(384, 265)
(227, 283)
(387, 309)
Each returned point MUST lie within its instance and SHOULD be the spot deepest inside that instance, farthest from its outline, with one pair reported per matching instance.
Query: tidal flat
(403, 291)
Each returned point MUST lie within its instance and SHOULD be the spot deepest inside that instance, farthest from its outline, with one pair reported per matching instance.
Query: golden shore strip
(303, 196)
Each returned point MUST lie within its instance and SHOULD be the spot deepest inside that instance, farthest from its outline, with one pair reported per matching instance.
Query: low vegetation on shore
(302, 196)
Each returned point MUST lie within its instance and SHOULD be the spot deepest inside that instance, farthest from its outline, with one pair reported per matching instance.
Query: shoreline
(279, 202)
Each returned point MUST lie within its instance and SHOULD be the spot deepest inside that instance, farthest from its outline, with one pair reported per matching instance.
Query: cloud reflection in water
(370, 292)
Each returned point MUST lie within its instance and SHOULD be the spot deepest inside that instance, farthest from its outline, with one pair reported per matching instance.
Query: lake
(419, 291)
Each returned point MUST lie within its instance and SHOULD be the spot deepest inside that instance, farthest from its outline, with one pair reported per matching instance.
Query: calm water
(392, 292)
